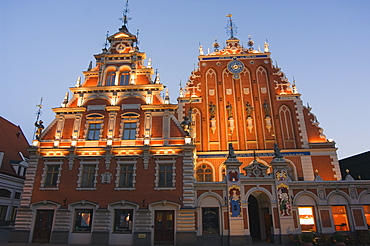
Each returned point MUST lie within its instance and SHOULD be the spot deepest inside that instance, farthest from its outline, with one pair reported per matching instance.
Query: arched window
(111, 77)
(204, 173)
(5, 193)
(125, 78)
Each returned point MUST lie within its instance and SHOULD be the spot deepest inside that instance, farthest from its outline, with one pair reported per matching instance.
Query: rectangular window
(3, 210)
(125, 78)
(83, 220)
(93, 132)
(123, 220)
(126, 175)
(340, 218)
(129, 131)
(306, 218)
(367, 214)
(88, 176)
(165, 175)
(51, 176)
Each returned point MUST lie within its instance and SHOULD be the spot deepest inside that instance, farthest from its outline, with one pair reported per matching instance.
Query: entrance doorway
(254, 217)
(164, 227)
(43, 224)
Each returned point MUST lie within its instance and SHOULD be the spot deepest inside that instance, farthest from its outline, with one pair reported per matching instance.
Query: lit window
(129, 131)
(126, 174)
(204, 173)
(125, 78)
(88, 176)
(3, 210)
(111, 77)
(340, 218)
(123, 220)
(93, 132)
(52, 176)
(306, 218)
(367, 214)
(165, 175)
(83, 220)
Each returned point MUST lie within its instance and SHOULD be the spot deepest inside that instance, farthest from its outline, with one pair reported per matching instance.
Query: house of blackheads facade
(238, 158)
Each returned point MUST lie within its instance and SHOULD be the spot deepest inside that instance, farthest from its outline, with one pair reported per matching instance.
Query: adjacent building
(358, 165)
(13, 167)
(238, 158)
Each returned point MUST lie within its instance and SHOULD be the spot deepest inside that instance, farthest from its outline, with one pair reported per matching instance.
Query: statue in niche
(40, 128)
(235, 201)
(249, 109)
(266, 107)
(185, 124)
(212, 110)
(229, 109)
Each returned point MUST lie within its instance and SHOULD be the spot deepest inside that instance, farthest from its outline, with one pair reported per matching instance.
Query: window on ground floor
(123, 220)
(306, 218)
(340, 218)
(83, 219)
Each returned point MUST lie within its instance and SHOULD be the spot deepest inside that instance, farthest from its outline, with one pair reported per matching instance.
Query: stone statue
(266, 107)
(231, 151)
(277, 153)
(249, 109)
(229, 109)
(40, 128)
(212, 110)
(186, 125)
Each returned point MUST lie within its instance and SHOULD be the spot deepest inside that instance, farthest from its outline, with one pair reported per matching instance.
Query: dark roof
(12, 141)
(358, 165)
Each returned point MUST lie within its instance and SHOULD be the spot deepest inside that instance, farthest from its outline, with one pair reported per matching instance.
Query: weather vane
(125, 12)
(137, 37)
(231, 29)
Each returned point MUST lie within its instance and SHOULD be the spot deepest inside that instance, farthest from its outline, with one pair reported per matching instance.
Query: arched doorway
(259, 214)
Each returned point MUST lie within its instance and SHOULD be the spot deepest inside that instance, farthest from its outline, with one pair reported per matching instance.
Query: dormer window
(111, 77)
(125, 78)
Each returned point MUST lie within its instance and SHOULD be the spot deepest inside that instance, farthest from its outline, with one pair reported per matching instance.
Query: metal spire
(38, 114)
(231, 28)
(106, 41)
(125, 17)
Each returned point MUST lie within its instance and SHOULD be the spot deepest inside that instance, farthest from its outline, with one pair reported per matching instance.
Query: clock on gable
(235, 67)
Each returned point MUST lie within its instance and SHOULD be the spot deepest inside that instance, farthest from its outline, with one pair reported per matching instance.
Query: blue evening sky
(45, 44)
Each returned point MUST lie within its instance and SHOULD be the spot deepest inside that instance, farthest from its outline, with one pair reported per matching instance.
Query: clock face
(120, 48)
(235, 66)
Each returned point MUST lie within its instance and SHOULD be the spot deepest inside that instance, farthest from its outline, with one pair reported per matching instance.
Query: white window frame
(165, 160)
(126, 161)
(80, 174)
(45, 172)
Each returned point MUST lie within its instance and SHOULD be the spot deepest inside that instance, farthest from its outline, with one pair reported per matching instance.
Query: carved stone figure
(229, 109)
(249, 109)
(266, 107)
(186, 125)
(40, 128)
(212, 110)
(277, 153)
(231, 151)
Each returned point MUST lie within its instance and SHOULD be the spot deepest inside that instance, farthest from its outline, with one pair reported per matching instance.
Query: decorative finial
(106, 42)
(78, 83)
(90, 66)
(157, 79)
(149, 63)
(125, 17)
(294, 87)
(167, 98)
(266, 46)
(137, 37)
(277, 153)
(181, 90)
(65, 101)
(231, 29)
(216, 45)
(347, 171)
